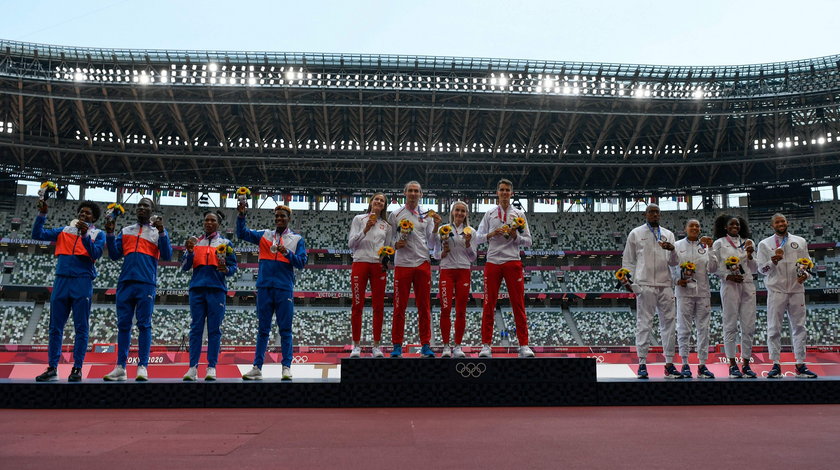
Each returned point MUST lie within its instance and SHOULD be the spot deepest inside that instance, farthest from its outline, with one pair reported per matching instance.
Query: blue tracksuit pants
(207, 305)
(70, 294)
(271, 303)
(134, 299)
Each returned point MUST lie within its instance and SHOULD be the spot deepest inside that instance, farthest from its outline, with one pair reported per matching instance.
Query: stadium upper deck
(317, 122)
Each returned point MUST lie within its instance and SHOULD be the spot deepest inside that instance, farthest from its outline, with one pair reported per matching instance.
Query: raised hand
(83, 227)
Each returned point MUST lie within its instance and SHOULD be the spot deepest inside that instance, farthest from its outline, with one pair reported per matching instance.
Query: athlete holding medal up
(779, 258)
(734, 249)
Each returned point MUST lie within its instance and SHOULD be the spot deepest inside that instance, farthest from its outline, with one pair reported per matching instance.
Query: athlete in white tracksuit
(737, 290)
(777, 262)
(694, 296)
(648, 255)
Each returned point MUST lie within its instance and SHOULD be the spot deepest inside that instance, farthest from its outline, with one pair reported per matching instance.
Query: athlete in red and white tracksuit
(504, 262)
(413, 268)
(456, 255)
(368, 233)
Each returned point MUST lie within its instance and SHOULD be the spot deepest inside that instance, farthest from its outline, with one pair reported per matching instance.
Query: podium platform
(469, 382)
(425, 382)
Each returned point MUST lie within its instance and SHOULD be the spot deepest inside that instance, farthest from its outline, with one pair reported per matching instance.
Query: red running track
(767, 437)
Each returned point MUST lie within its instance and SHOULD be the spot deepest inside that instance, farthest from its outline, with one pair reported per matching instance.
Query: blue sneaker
(803, 372)
(703, 372)
(735, 373)
(642, 372)
(671, 372)
(686, 371)
(426, 351)
(748, 372)
(397, 351)
(775, 372)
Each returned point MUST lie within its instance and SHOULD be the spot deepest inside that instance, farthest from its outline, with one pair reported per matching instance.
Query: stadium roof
(321, 122)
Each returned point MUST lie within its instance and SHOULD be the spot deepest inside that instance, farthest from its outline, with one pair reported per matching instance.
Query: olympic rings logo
(299, 359)
(470, 369)
(787, 373)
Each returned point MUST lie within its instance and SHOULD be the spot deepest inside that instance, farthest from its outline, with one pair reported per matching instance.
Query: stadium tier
(328, 123)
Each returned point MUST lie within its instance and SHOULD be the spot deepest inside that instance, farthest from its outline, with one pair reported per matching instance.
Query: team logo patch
(702, 251)
(794, 245)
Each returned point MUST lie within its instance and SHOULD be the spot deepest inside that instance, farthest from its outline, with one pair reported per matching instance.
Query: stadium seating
(14, 318)
(331, 326)
(606, 327)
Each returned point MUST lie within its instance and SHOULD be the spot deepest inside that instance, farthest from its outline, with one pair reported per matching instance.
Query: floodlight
(213, 66)
(698, 93)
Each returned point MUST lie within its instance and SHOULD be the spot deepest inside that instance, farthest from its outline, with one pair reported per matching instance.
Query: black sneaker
(735, 373)
(775, 372)
(642, 372)
(803, 372)
(686, 371)
(671, 372)
(75, 375)
(49, 375)
(703, 372)
(748, 372)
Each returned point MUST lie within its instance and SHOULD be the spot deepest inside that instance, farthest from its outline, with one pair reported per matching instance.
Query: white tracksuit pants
(794, 304)
(738, 302)
(693, 311)
(661, 301)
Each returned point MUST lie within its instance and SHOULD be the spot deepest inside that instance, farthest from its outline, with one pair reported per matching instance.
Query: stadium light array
(520, 83)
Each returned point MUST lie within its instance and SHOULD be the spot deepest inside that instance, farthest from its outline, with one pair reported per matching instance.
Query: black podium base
(425, 382)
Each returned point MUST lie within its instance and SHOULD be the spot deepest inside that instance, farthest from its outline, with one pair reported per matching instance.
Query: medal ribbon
(656, 233)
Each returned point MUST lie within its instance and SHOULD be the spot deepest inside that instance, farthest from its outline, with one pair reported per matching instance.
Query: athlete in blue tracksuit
(140, 245)
(77, 247)
(211, 261)
(281, 251)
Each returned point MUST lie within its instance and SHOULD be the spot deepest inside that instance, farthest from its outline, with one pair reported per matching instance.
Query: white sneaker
(210, 375)
(142, 374)
(458, 352)
(447, 351)
(191, 374)
(287, 373)
(254, 374)
(356, 352)
(116, 375)
(486, 351)
(525, 351)
(376, 352)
